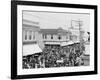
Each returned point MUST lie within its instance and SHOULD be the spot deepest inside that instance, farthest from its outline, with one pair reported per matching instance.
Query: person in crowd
(70, 56)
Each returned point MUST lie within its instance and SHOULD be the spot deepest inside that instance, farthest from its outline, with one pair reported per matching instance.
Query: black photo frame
(14, 38)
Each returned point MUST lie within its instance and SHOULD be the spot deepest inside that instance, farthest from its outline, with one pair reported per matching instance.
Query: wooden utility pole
(80, 30)
(79, 24)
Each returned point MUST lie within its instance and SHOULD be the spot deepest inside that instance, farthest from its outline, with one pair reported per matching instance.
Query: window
(59, 37)
(51, 36)
(25, 35)
(33, 35)
(45, 36)
(30, 37)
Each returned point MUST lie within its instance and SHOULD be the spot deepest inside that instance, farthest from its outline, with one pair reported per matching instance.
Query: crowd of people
(56, 56)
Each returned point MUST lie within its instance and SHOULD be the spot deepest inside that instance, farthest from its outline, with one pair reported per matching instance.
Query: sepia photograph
(53, 39)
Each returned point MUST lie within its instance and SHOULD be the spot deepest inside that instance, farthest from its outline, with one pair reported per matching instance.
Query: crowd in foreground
(56, 56)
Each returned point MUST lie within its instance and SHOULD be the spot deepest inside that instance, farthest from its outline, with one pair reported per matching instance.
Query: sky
(52, 20)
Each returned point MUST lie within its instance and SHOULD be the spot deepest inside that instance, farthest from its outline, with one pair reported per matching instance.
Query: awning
(77, 42)
(31, 49)
(53, 43)
(67, 43)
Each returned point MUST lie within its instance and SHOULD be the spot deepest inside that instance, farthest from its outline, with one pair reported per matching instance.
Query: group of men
(56, 56)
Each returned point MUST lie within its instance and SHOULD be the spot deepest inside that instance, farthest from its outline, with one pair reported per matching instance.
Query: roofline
(30, 21)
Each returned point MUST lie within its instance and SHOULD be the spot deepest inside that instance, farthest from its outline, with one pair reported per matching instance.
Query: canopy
(53, 43)
(67, 43)
(31, 49)
(77, 42)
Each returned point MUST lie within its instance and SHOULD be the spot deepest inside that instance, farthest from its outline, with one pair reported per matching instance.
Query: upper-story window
(59, 37)
(25, 35)
(44, 36)
(30, 35)
(33, 34)
(51, 36)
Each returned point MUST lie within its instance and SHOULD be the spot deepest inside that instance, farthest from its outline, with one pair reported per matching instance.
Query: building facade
(32, 34)
(55, 36)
